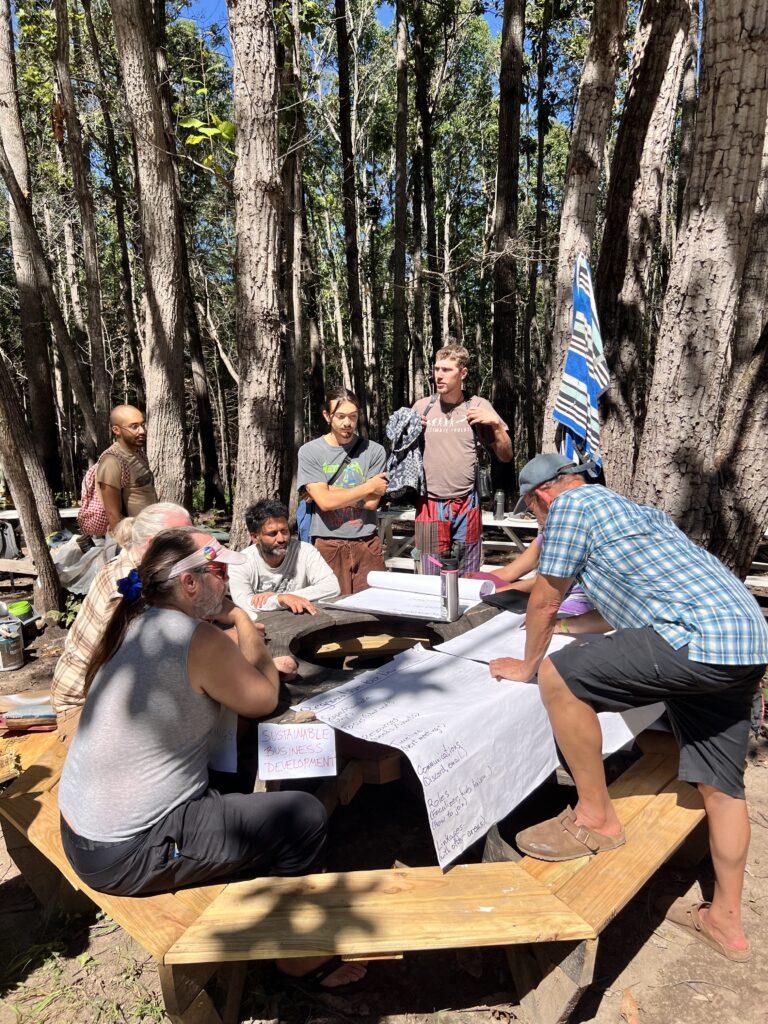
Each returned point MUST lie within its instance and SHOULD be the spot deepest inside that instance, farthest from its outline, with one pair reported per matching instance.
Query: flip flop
(685, 913)
(312, 981)
(560, 838)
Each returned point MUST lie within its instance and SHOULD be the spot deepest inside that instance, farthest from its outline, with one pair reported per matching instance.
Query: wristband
(564, 626)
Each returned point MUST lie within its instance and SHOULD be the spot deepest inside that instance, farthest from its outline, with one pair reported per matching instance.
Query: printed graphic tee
(318, 461)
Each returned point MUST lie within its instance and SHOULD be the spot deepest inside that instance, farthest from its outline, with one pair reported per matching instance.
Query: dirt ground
(88, 970)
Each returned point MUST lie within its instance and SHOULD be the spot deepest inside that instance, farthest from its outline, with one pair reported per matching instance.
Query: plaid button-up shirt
(68, 686)
(639, 569)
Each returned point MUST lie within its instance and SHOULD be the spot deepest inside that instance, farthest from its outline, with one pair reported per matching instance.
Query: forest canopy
(218, 221)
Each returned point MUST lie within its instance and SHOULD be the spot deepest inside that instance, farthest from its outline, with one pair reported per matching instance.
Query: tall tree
(633, 205)
(578, 214)
(349, 194)
(37, 512)
(422, 72)
(675, 467)
(258, 199)
(45, 284)
(399, 317)
(505, 297)
(163, 299)
(85, 202)
(34, 333)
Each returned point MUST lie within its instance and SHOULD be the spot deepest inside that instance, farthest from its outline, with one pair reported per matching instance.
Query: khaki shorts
(67, 723)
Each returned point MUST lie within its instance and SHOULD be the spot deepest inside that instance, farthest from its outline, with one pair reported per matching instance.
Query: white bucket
(11, 644)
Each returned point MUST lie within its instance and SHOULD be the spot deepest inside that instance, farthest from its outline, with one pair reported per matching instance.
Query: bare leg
(729, 834)
(580, 738)
(296, 966)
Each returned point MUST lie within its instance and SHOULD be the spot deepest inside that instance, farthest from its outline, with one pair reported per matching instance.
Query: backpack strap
(125, 473)
(347, 456)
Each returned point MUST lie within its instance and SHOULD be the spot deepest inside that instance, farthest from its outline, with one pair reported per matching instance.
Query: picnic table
(547, 916)
(518, 531)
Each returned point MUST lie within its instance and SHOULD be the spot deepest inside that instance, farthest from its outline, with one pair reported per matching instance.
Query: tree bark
(84, 198)
(582, 178)
(504, 348)
(34, 334)
(539, 224)
(118, 197)
(687, 115)
(421, 374)
(399, 322)
(314, 316)
(635, 196)
(422, 74)
(258, 201)
(34, 502)
(676, 468)
(163, 300)
(349, 199)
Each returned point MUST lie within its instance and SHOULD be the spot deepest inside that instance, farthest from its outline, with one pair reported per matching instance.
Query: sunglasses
(217, 569)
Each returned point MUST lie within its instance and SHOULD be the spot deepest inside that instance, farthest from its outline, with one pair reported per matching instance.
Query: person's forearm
(329, 498)
(502, 444)
(253, 649)
(540, 621)
(520, 566)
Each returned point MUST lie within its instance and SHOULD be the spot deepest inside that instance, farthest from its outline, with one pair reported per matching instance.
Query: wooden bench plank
(608, 882)
(377, 912)
(155, 922)
(631, 794)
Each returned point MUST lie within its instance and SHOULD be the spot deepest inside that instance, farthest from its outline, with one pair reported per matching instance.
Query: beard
(276, 551)
(209, 601)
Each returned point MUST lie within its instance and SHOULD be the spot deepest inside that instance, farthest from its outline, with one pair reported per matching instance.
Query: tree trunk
(676, 467)
(633, 206)
(34, 334)
(349, 199)
(582, 178)
(258, 200)
(399, 322)
(539, 225)
(163, 300)
(118, 197)
(687, 114)
(37, 513)
(504, 349)
(422, 73)
(45, 285)
(84, 197)
(421, 375)
(314, 317)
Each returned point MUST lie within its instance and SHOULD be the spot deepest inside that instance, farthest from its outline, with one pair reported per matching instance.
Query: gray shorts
(708, 705)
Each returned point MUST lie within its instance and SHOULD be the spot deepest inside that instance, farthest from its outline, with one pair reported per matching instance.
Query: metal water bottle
(498, 504)
(449, 588)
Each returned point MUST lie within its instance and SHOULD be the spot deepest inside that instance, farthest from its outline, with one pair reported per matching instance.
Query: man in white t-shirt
(279, 571)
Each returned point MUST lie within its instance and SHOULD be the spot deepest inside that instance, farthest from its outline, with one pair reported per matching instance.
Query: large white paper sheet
(500, 637)
(478, 746)
(416, 596)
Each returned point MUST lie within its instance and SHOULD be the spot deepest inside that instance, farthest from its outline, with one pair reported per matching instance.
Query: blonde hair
(455, 352)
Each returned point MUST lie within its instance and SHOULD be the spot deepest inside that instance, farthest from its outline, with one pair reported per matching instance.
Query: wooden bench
(548, 915)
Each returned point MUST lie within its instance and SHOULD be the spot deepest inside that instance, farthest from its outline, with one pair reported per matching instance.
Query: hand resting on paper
(511, 668)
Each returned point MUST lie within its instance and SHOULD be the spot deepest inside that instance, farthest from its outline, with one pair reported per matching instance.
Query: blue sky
(214, 12)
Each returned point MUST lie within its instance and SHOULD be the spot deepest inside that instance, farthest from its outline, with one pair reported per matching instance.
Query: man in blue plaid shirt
(686, 632)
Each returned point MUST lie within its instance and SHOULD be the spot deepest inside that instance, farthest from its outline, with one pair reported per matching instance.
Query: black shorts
(215, 838)
(708, 705)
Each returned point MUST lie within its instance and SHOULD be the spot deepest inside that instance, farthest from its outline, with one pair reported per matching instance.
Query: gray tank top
(141, 748)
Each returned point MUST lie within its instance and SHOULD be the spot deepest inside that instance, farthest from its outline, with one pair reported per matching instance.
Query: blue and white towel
(585, 376)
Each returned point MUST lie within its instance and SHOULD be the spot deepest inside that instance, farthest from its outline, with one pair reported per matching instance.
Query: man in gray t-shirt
(342, 474)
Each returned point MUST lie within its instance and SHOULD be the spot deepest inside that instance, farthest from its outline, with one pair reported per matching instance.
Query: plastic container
(27, 616)
(11, 644)
(449, 588)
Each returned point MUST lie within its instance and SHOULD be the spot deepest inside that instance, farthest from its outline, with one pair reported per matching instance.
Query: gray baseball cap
(546, 467)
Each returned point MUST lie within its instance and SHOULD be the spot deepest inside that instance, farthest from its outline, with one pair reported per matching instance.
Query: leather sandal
(686, 914)
(561, 838)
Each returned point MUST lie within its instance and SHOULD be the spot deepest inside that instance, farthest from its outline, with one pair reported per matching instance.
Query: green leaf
(194, 140)
(201, 92)
(228, 130)
(191, 122)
